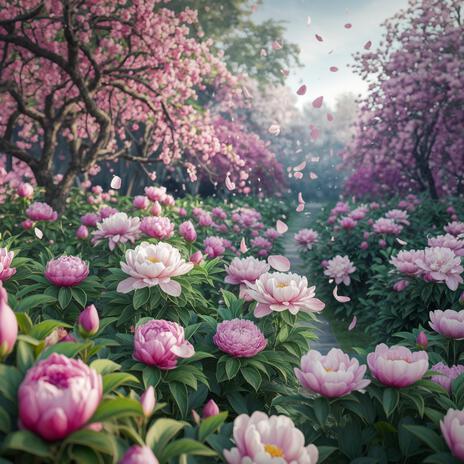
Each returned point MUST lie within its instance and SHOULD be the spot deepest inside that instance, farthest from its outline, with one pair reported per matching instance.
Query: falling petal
(340, 298)
(285, 72)
(274, 129)
(152, 176)
(276, 45)
(281, 227)
(319, 38)
(314, 133)
(229, 184)
(243, 246)
(330, 117)
(246, 93)
(348, 26)
(315, 159)
(116, 183)
(298, 175)
(300, 208)
(300, 166)
(308, 21)
(401, 242)
(263, 52)
(279, 263)
(38, 233)
(367, 45)
(331, 281)
(300, 198)
(301, 90)
(333, 69)
(317, 103)
(312, 175)
(353, 323)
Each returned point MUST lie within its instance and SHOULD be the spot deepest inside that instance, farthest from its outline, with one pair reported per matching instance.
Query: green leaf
(321, 409)
(325, 452)
(115, 408)
(252, 376)
(141, 296)
(24, 322)
(186, 446)
(427, 436)
(390, 400)
(45, 328)
(26, 441)
(30, 302)
(10, 377)
(79, 295)
(24, 355)
(163, 431)
(104, 366)
(151, 376)
(441, 458)
(83, 454)
(69, 349)
(179, 393)
(5, 422)
(210, 425)
(98, 441)
(229, 297)
(64, 297)
(114, 380)
(232, 367)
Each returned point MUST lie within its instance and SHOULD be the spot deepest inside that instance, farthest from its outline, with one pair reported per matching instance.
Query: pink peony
(205, 220)
(90, 219)
(196, 258)
(157, 227)
(210, 409)
(452, 429)
(140, 202)
(66, 271)
(159, 343)
(261, 242)
(106, 212)
(277, 291)
(400, 285)
(397, 366)
(387, 226)
(448, 241)
(89, 321)
(406, 262)
(118, 228)
(214, 246)
(8, 325)
(347, 223)
(455, 228)
(155, 193)
(41, 212)
(139, 455)
(58, 396)
(82, 232)
(441, 265)
(332, 375)
(242, 270)
(306, 238)
(399, 216)
(187, 231)
(447, 374)
(272, 234)
(448, 323)
(156, 209)
(340, 268)
(6, 258)
(262, 439)
(239, 338)
(149, 265)
(25, 190)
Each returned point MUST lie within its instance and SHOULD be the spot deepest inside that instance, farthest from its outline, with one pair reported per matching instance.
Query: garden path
(326, 339)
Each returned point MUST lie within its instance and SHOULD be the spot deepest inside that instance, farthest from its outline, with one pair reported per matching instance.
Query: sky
(328, 18)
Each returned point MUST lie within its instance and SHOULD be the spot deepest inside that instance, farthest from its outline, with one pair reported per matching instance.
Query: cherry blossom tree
(102, 80)
(410, 131)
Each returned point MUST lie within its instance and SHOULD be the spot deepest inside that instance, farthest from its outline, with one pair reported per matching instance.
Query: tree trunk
(56, 194)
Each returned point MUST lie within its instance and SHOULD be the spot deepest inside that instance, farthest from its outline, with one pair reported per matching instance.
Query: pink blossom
(242, 270)
(140, 202)
(25, 190)
(182, 212)
(219, 213)
(58, 396)
(262, 439)
(400, 285)
(306, 238)
(90, 219)
(148, 401)
(41, 212)
(160, 343)
(8, 325)
(106, 212)
(448, 241)
(447, 374)
(271, 234)
(387, 226)
(422, 340)
(340, 268)
(157, 227)
(214, 246)
(156, 209)
(27, 224)
(239, 338)
(187, 231)
(332, 375)
(406, 262)
(89, 322)
(261, 242)
(137, 454)
(149, 265)
(347, 223)
(452, 429)
(359, 213)
(441, 265)
(364, 245)
(82, 232)
(205, 220)
(6, 258)
(398, 215)
(155, 193)
(168, 200)
(397, 366)
(277, 291)
(448, 323)
(210, 409)
(196, 258)
(455, 228)
(118, 228)
(66, 271)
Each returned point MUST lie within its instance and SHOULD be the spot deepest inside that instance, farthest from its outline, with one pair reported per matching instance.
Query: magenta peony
(89, 322)
(448, 323)
(446, 374)
(6, 258)
(157, 227)
(259, 439)
(281, 292)
(58, 396)
(160, 343)
(332, 375)
(41, 212)
(187, 231)
(140, 202)
(397, 366)
(239, 338)
(8, 325)
(66, 271)
(452, 429)
(82, 232)
(149, 265)
(139, 455)
(90, 219)
(347, 223)
(210, 409)
(306, 238)
(118, 228)
(339, 269)
(214, 246)
(25, 190)
(155, 193)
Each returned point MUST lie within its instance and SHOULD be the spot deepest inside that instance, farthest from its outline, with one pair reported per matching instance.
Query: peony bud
(196, 258)
(25, 190)
(400, 285)
(364, 245)
(82, 232)
(422, 340)
(27, 224)
(196, 417)
(188, 232)
(89, 322)
(148, 401)
(8, 325)
(210, 409)
(156, 209)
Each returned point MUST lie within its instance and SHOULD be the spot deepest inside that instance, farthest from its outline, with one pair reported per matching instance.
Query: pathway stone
(326, 339)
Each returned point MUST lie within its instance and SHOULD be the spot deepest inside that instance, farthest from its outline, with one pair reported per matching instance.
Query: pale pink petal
(229, 184)
(274, 129)
(281, 227)
(300, 198)
(116, 183)
(340, 298)
(301, 90)
(348, 26)
(367, 45)
(330, 118)
(353, 323)
(279, 263)
(333, 69)
(401, 242)
(243, 246)
(308, 21)
(38, 233)
(127, 285)
(300, 208)
(276, 45)
(185, 350)
(317, 103)
(172, 288)
(312, 175)
(298, 175)
(300, 166)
